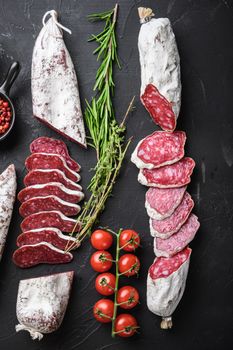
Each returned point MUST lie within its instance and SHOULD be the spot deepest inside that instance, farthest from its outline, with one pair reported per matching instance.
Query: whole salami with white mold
(55, 95)
(8, 186)
(160, 69)
(42, 303)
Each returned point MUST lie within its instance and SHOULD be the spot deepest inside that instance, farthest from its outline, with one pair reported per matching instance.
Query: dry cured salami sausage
(42, 303)
(160, 69)
(161, 202)
(158, 149)
(40, 253)
(178, 241)
(37, 204)
(42, 176)
(47, 234)
(55, 95)
(166, 284)
(48, 145)
(168, 176)
(50, 161)
(50, 219)
(8, 186)
(165, 228)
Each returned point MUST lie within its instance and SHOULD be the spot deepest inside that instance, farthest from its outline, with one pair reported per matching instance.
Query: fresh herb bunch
(106, 135)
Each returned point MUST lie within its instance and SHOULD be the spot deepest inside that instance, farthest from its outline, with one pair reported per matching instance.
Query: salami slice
(42, 303)
(40, 253)
(8, 186)
(168, 176)
(158, 149)
(50, 161)
(165, 228)
(49, 145)
(160, 70)
(47, 234)
(55, 95)
(41, 176)
(161, 202)
(50, 219)
(37, 204)
(166, 282)
(178, 241)
(51, 188)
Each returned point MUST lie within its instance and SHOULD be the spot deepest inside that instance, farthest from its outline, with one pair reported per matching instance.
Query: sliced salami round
(50, 161)
(50, 219)
(178, 241)
(168, 176)
(51, 188)
(161, 202)
(158, 149)
(37, 204)
(45, 176)
(50, 235)
(165, 228)
(49, 145)
(41, 253)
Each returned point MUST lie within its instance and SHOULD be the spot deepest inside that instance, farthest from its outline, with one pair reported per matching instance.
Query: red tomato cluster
(127, 297)
(5, 116)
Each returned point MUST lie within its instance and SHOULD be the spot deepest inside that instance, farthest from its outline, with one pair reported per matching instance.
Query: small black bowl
(4, 92)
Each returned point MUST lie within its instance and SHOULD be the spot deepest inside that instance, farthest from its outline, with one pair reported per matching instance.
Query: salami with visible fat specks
(158, 149)
(55, 95)
(166, 282)
(160, 69)
(49, 145)
(42, 303)
(161, 202)
(40, 253)
(51, 188)
(178, 241)
(8, 186)
(50, 161)
(47, 234)
(45, 176)
(37, 204)
(168, 176)
(165, 228)
(50, 219)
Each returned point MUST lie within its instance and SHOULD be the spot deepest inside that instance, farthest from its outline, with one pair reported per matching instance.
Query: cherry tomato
(103, 310)
(129, 264)
(105, 283)
(127, 297)
(125, 325)
(101, 239)
(101, 261)
(129, 240)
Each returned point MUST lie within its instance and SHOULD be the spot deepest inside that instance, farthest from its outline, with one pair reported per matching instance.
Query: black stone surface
(203, 29)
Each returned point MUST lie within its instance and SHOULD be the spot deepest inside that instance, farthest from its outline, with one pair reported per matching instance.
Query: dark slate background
(204, 31)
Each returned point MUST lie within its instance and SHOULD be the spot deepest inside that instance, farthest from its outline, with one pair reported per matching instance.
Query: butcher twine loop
(145, 14)
(33, 333)
(54, 16)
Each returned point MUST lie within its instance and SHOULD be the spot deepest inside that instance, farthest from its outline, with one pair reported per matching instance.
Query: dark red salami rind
(42, 253)
(164, 267)
(50, 161)
(51, 188)
(173, 223)
(178, 241)
(50, 219)
(49, 145)
(168, 176)
(160, 148)
(159, 108)
(37, 204)
(43, 176)
(49, 235)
